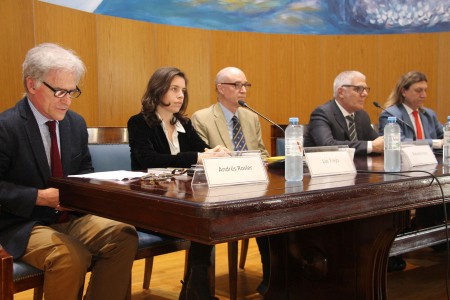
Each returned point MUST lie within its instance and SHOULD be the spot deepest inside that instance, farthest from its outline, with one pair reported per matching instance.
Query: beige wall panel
(16, 34)
(126, 58)
(73, 29)
(291, 74)
(350, 52)
(189, 50)
(295, 85)
(443, 78)
(401, 53)
(248, 52)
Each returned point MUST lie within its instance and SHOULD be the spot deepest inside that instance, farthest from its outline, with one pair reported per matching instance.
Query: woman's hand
(218, 151)
(218, 148)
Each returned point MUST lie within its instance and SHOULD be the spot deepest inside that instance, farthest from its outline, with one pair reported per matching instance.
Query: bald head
(225, 74)
(228, 93)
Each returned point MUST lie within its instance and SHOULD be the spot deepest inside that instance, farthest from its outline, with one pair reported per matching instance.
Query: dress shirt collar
(228, 114)
(40, 119)
(344, 112)
(409, 110)
(178, 125)
(174, 143)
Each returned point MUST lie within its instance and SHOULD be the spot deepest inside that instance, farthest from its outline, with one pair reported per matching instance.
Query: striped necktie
(238, 136)
(351, 128)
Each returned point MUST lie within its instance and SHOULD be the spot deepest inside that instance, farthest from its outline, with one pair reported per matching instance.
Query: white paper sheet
(112, 175)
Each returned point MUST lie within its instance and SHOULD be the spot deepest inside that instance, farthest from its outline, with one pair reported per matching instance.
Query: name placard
(329, 163)
(234, 170)
(413, 156)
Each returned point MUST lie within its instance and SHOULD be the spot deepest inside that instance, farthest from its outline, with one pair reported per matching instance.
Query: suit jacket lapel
(407, 119)
(426, 124)
(65, 144)
(340, 118)
(33, 133)
(222, 127)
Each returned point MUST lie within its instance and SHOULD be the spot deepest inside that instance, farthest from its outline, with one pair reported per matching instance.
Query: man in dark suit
(33, 225)
(342, 121)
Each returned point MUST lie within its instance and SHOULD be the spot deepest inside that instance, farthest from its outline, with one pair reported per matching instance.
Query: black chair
(16, 277)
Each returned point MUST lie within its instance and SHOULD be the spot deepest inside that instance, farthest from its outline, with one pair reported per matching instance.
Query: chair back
(109, 148)
(277, 139)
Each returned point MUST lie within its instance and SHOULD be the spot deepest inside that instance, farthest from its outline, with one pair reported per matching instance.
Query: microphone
(244, 104)
(398, 119)
(276, 164)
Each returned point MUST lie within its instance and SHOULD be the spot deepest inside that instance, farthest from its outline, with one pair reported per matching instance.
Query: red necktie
(56, 166)
(418, 126)
(55, 159)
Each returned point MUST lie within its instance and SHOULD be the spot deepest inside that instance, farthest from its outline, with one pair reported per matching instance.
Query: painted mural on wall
(281, 16)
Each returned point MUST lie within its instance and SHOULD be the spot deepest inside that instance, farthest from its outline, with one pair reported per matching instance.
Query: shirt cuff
(437, 144)
(369, 147)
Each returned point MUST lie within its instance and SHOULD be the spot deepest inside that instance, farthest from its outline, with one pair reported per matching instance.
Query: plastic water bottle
(446, 146)
(293, 161)
(392, 161)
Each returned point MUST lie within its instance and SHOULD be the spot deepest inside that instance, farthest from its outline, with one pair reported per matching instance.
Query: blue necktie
(238, 136)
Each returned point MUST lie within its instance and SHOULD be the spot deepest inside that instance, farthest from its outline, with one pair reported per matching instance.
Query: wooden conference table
(329, 237)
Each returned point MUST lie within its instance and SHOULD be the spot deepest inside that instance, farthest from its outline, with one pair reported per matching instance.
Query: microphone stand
(398, 119)
(244, 104)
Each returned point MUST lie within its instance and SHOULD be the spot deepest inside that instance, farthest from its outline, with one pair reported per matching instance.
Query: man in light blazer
(31, 226)
(329, 124)
(213, 123)
(215, 126)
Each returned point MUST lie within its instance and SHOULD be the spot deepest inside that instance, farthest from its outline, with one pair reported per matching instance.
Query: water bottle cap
(293, 120)
(392, 119)
(448, 118)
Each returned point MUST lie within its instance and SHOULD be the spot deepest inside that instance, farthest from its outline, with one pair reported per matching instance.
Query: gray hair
(46, 57)
(344, 78)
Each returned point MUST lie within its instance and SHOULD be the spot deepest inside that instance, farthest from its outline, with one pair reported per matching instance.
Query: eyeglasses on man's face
(238, 85)
(60, 93)
(358, 88)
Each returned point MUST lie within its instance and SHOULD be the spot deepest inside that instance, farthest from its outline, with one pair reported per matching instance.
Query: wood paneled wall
(290, 74)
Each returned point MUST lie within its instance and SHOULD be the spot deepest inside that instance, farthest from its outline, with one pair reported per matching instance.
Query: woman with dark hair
(406, 103)
(162, 136)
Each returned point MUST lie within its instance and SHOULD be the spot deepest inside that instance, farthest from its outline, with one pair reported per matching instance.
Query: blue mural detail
(288, 16)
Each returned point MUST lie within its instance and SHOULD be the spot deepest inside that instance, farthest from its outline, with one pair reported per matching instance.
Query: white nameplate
(329, 163)
(234, 170)
(326, 182)
(413, 156)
